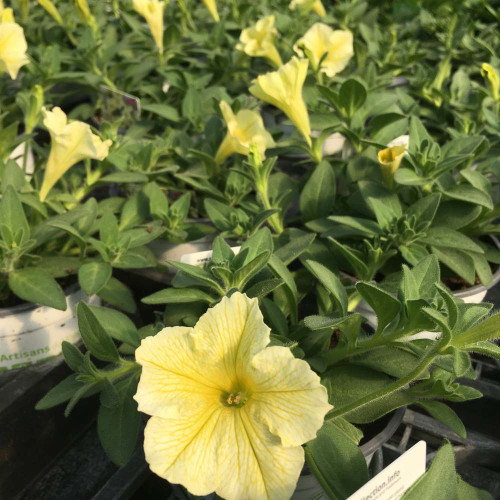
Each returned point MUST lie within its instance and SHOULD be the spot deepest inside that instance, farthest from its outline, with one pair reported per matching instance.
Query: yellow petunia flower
(390, 160)
(488, 71)
(319, 40)
(152, 11)
(283, 89)
(70, 143)
(258, 41)
(211, 5)
(228, 413)
(13, 46)
(243, 129)
(307, 5)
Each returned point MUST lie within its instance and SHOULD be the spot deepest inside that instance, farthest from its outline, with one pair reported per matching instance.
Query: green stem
(426, 361)
(25, 155)
(274, 220)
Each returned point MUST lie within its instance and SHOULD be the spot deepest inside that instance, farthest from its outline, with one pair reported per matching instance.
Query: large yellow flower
(70, 143)
(258, 41)
(319, 40)
(283, 89)
(13, 45)
(152, 11)
(228, 414)
(212, 8)
(307, 5)
(243, 129)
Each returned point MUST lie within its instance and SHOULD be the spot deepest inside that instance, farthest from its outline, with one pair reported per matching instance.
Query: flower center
(235, 399)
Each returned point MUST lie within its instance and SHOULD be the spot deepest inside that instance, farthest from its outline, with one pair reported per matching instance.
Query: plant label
(397, 478)
(200, 258)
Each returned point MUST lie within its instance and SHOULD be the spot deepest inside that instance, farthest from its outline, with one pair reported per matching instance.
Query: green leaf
(352, 96)
(418, 134)
(125, 177)
(408, 177)
(458, 261)
(449, 238)
(456, 214)
(196, 272)
(178, 296)
(330, 281)
(292, 250)
(12, 215)
(470, 194)
(72, 355)
(488, 329)
(442, 481)
(117, 294)
(118, 427)
(274, 317)
(263, 288)
(482, 267)
(60, 393)
(261, 241)
(163, 110)
(386, 307)
(318, 195)
(383, 202)
(425, 208)
(135, 211)
(117, 325)
(357, 226)
(281, 271)
(336, 461)
(94, 336)
(244, 274)
(444, 414)
(221, 251)
(34, 285)
(93, 276)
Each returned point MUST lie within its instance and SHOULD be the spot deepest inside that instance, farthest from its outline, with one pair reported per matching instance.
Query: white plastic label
(397, 478)
(200, 258)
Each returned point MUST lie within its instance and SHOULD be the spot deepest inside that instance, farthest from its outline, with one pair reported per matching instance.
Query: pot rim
(29, 306)
(383, 436)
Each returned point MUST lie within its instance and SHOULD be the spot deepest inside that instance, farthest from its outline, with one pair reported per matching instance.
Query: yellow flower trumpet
(228, 413)
(390, 160)
(308, 5)
(211, 5)
(70, 143)
(152, 11)
(258, 41)
(319, 40)
(283, 89)
(243, 129)
(13, 45)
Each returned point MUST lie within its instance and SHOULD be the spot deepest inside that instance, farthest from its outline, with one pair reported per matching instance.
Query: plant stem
(274, 220)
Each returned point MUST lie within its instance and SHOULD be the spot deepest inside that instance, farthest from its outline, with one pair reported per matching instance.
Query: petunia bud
(212, 8)
(52, 10)
(488, 71)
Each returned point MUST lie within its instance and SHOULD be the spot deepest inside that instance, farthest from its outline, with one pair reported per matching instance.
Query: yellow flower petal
(231, 333)
(283, 89)
(13, 48)
(284, 389)
(307, 5)
(7, 15)
(493, 79)
(175, 382)
(389, 160)
(319, 40)
(225, 451)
